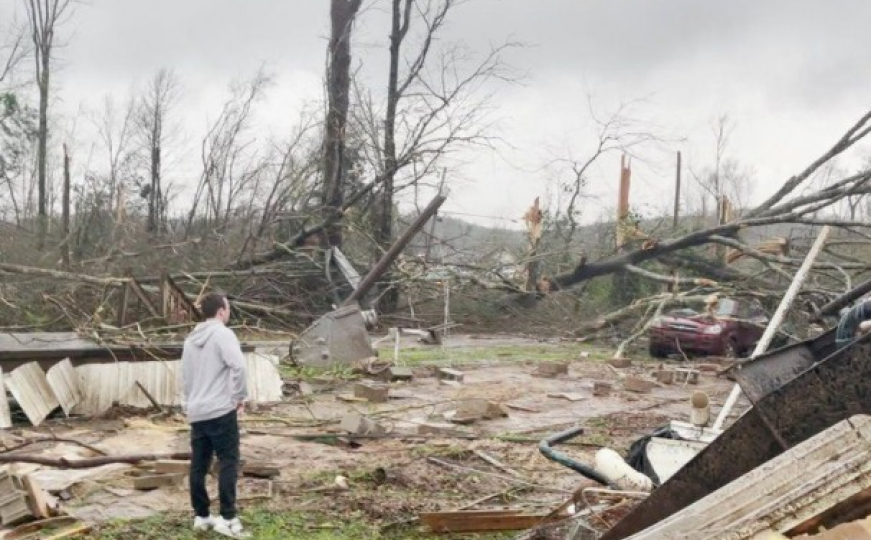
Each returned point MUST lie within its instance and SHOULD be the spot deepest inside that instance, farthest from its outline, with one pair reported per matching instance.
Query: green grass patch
(271, 525)
(503, 353)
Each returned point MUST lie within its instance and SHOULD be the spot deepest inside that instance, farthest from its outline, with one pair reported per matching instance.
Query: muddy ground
(391, 479)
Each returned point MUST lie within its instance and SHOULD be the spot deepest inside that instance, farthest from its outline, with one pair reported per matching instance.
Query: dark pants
(219, 436)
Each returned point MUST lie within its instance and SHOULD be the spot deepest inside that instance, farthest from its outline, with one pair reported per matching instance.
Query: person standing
(214, 392)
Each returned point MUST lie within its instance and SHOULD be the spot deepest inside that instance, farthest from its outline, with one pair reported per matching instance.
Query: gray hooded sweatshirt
(213, 372)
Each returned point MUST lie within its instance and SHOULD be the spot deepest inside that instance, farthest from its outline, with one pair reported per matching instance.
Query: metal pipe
(546, 448)
(776, 319)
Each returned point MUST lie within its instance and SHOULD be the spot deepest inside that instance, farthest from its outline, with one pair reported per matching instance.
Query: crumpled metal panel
(831, 390)
(105, 384)
(761, 376)
(5, 417)
(158, 378)
(810, 479)
(64, 382)
(102, 385)
(30, 389)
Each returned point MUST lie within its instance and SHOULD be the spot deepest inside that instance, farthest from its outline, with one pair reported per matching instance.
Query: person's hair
(211, 303)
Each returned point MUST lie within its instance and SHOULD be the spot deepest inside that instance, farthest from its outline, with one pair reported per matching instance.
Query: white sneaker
(204, 523)
(230, 527)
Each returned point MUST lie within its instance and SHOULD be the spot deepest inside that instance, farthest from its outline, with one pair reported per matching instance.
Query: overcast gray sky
(791, 74)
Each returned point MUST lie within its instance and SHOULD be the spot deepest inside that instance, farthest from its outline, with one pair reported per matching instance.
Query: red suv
(732, 330)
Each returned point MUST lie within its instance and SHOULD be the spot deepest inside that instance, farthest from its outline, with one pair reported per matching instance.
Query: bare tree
(116, 130)
(230, 164)
(16, 120)
(429, 106)
(44, 17)
(13, 51)
(152, 122)
(342, 16)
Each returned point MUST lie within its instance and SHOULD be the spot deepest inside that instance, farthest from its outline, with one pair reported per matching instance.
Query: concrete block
(665, 376)
(551, 369)
(373, 392)
(448, 374)
(641, 386)
(155, 481)
(620, 362)
(470, 410)
(166, 466)
(357, 424)
(397, 373)
(601, 389)
(686, 375)
(453, 384)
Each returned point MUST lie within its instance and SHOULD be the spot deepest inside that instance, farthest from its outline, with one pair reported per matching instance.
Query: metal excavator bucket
(340, 337)
(797, 392)
(337, 338)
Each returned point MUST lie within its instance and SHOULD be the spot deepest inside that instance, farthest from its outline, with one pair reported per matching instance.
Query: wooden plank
(481, 520)
(41, 503)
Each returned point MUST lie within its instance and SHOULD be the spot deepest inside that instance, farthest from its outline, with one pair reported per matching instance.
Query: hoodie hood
(204, 331)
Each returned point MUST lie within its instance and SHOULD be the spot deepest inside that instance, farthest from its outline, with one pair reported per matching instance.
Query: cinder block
(665, 376)
(620, 362)
(157, 481)
(601, 389)
(166, 466)
(448, 374)
(551, 369)
(376, 393)
(470, 410)
(398, 373)
(357, 424)
(641, 386)
(686, 375)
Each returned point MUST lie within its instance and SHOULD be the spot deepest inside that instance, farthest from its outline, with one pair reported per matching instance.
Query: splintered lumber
(481, 520)
(41, 503)
(122, 282)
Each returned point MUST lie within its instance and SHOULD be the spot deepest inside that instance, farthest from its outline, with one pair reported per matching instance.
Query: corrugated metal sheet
(64, 382)
(795, 487)
(158, 378)
(102, 385)
(105, 384)
(5, 418)
(264, 381)
(30, 389)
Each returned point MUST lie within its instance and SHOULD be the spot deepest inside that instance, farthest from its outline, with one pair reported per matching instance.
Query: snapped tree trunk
(342, 14)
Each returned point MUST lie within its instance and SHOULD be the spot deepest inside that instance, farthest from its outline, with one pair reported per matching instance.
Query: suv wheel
(656, 352)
